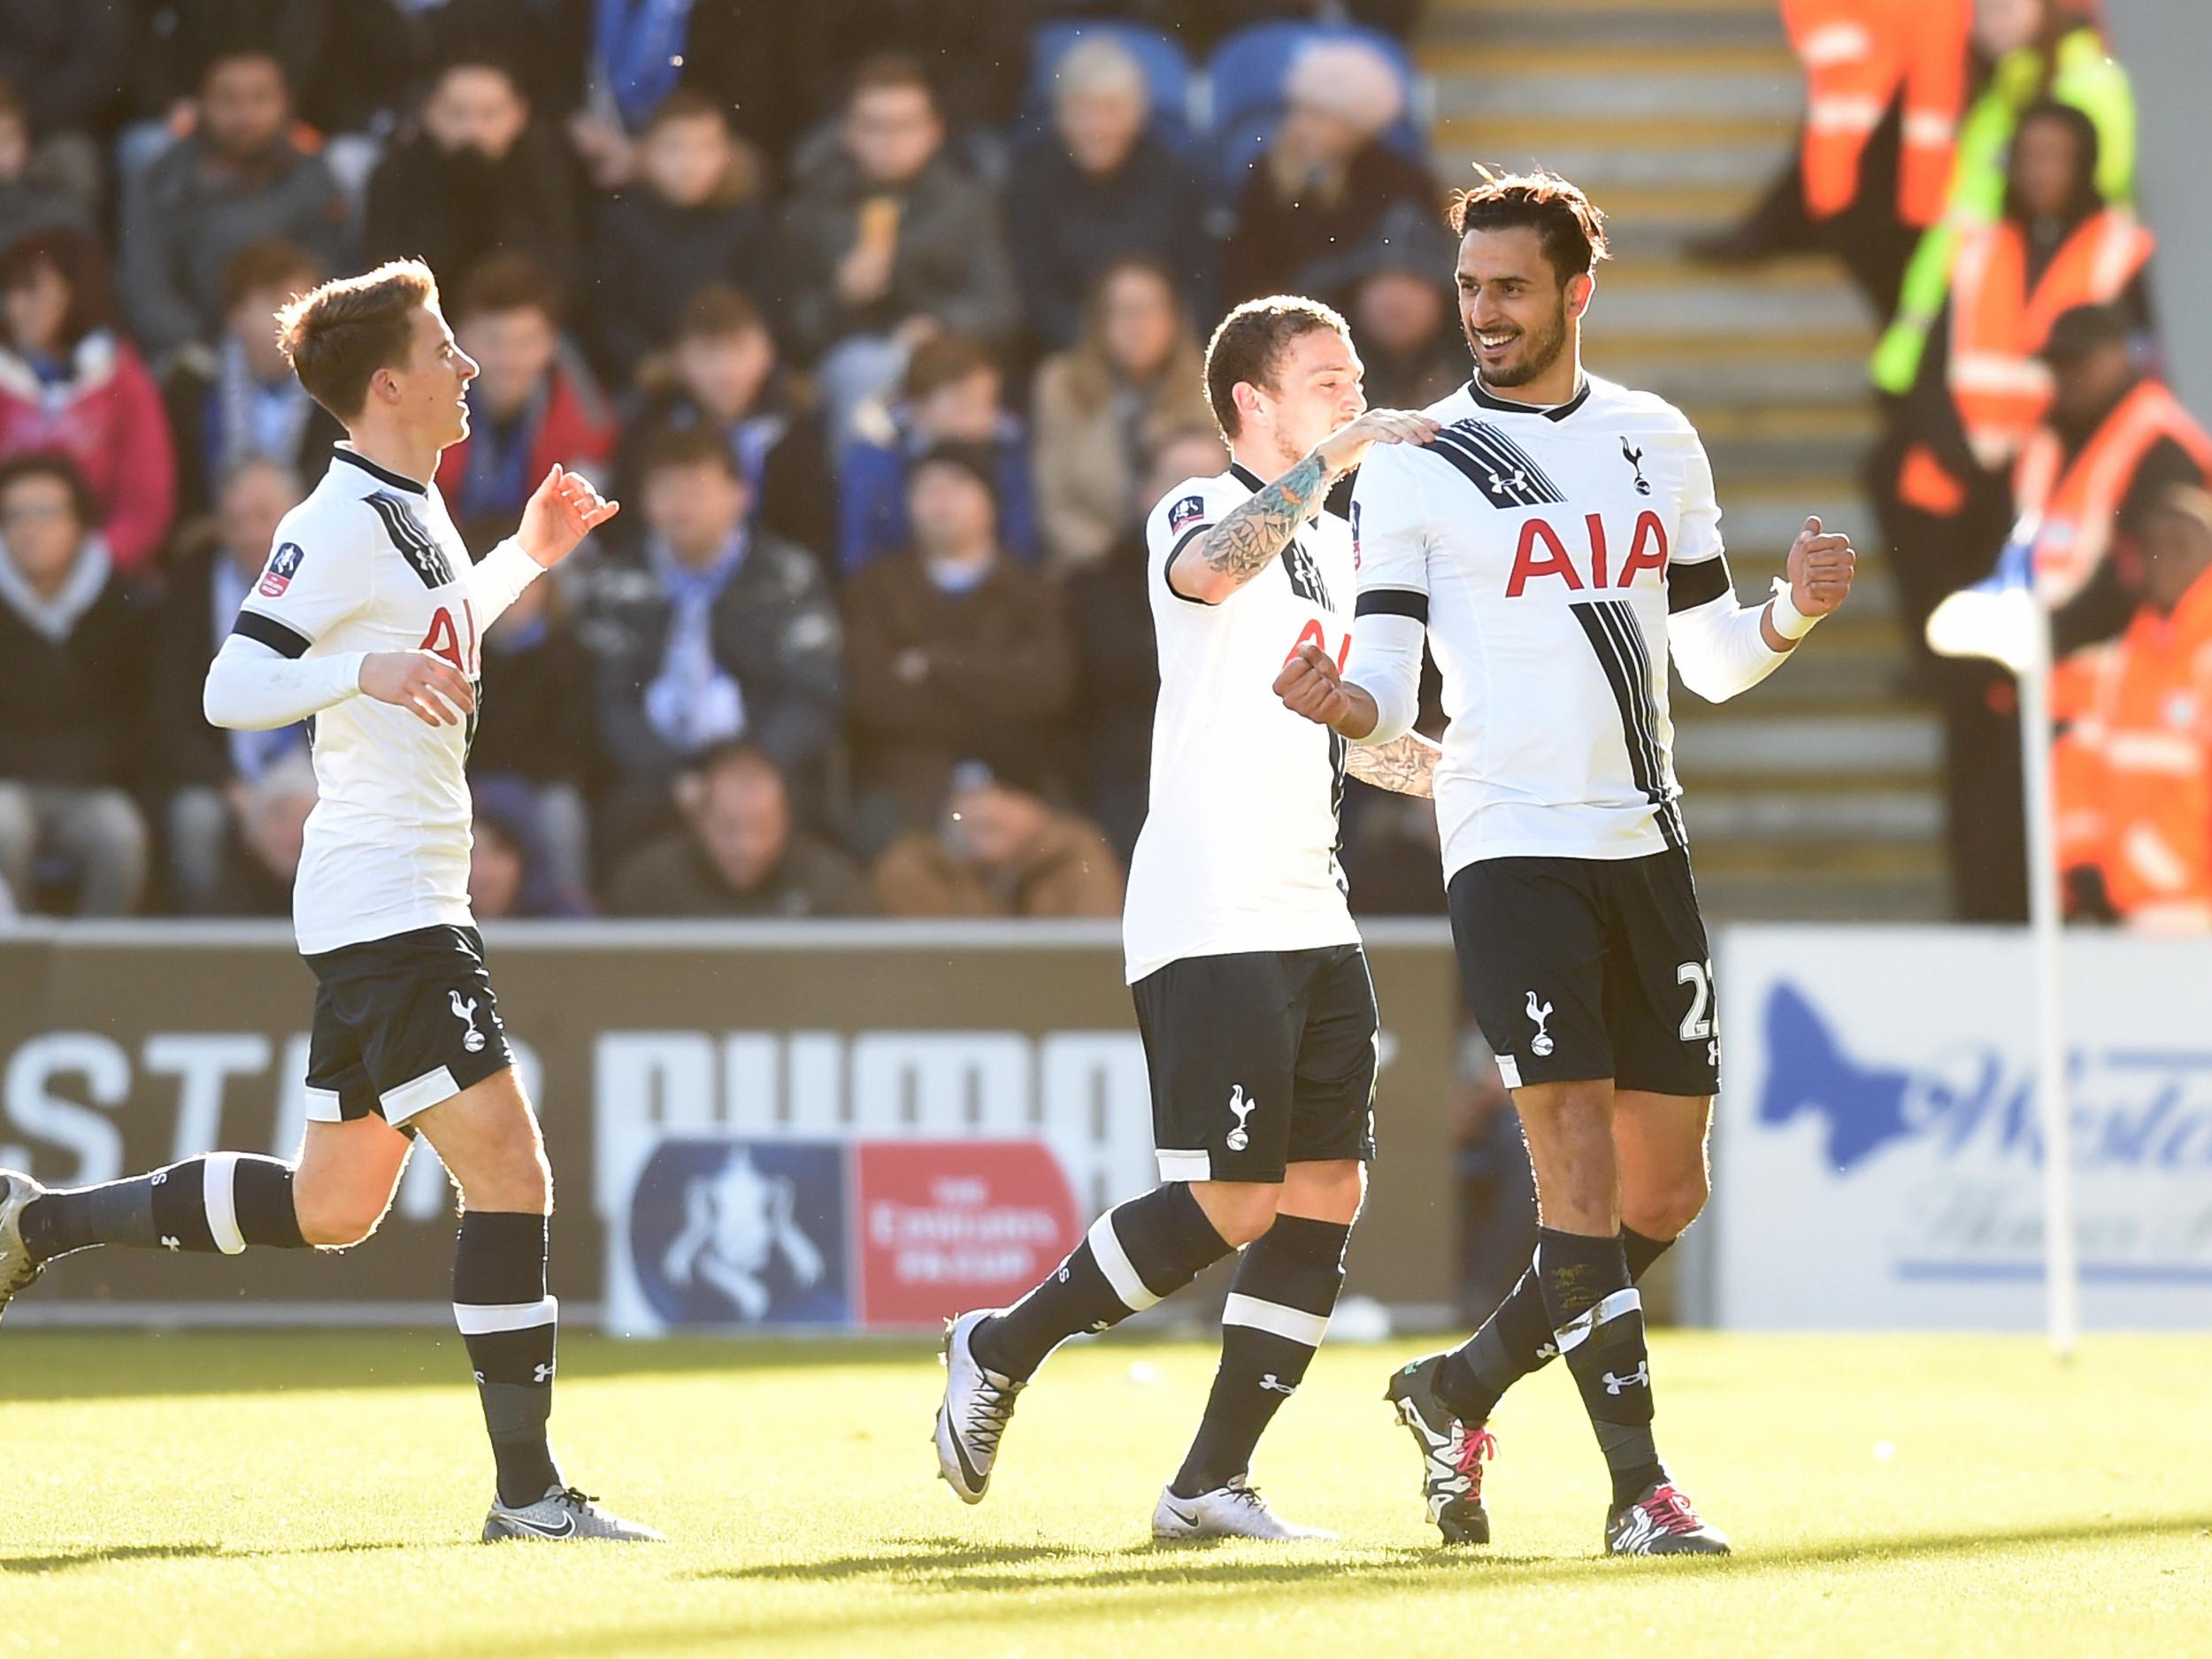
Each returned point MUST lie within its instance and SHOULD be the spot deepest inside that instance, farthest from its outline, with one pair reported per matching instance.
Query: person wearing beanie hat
(953, 648)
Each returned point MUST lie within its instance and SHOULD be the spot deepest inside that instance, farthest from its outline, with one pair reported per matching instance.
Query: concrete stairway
(1815, 795)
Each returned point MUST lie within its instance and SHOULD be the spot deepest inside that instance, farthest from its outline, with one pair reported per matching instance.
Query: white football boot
(977, 1407)
(563, 1513)
(1236, 1511)
(17, 1269)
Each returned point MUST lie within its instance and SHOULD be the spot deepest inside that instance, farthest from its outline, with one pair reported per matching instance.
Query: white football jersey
(1544, 549)
(371, 562)
(1238, 850)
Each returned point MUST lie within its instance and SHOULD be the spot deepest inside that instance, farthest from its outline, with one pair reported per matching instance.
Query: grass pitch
(290, 1495)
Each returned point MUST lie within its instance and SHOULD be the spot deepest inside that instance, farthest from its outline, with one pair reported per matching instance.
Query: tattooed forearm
(1253, 537)
(1405, 764)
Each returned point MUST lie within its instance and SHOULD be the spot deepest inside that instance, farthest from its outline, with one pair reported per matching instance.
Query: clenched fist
(1821, 566)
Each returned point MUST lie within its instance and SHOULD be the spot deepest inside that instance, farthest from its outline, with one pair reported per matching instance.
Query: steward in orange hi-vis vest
(2134, 773)
(2080, 495)
(2000, 318)
(1858, 54)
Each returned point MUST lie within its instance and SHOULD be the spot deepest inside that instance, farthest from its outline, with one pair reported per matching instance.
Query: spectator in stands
(2036, 49)
(1884, 83)
(71, 384)
(1404, 318)
(692, 221)
(1939, 476)
(740, 852)
(2113, 442)
(1326, 178)
(1101, 407)
(713, 632)
(535, 758)
(532, 405)
(511, 872)
(723, 377)
(263, 861)
(952, 393)
(238, 178)
(74, 637)
(66, 60)
(201, 774)
(1096, 189)
(887, 241)
(759, 62)
(30, 199)
(1004, 849)
(476, 177)
(953, 651)
(2132, 775)
(239, 398)
(1117, 662)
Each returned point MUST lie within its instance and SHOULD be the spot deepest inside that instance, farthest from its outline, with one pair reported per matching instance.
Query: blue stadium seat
(1247, 82)
(1165, 68)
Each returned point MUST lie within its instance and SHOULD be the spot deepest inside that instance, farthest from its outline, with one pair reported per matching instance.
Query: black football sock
(1598, 1326)
(224, 1201)
(1279, 1308)
(1516, 1339)
(1133, 1257)
(509, 1324)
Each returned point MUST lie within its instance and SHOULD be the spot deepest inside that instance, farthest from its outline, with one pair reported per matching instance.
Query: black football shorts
(401, 1025)
(1580, 968)
(1259, 1060)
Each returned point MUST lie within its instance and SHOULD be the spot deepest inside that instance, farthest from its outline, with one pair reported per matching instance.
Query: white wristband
(1791, 623)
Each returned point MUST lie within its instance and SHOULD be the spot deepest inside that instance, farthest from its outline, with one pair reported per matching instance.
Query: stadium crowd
(880, 318)
(883, 319)
(1973, 165)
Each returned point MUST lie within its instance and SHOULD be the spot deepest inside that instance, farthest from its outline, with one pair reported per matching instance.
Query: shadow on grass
(100, 1554)
(1149, 1580)
(49, 1364)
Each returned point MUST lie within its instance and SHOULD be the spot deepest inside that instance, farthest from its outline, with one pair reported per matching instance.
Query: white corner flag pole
(2062, 1282)
(2004, 619)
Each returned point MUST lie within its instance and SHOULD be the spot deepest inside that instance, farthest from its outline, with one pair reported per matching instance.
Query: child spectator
(533, 404)
(240, 399)
(477, 177)
(74, 637)
(952, 650)
(724, 378)
(71, 384)
(1104, 406)
(237, 178)
(692, 221)
(952, 393)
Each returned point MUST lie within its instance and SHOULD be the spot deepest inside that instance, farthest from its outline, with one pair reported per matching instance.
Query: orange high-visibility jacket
(2133, 777)
(1998, 323)
(2079, 501)
(1857, 54)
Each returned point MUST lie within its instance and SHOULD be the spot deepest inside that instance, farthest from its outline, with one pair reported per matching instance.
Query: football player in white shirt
(369, 621)
(1554, 545)
(1252, 993)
